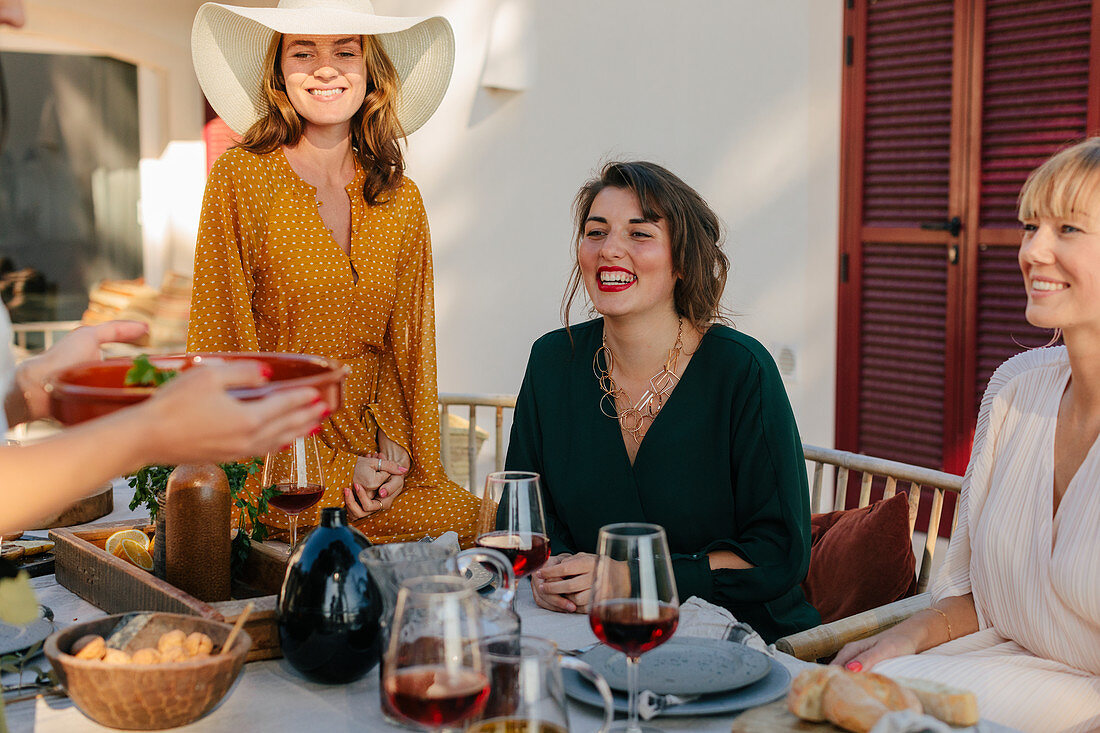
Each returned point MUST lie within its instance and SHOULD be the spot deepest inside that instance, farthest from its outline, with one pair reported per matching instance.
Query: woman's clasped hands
(378, 479)
(564, 583)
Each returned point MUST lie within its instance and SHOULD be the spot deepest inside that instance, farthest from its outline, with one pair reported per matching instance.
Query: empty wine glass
(635, 607)
(294, 474)
(512, 520)
(434, 671)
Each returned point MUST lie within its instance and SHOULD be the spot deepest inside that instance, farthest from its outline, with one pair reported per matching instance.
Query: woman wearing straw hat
(191, 420)
(312, 240)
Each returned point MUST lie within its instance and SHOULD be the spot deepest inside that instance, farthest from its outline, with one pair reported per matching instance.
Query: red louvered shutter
(1035, 100)
(899, 150)
(947, 107)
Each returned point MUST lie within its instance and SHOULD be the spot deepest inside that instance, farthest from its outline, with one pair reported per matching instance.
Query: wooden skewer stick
(237, 627)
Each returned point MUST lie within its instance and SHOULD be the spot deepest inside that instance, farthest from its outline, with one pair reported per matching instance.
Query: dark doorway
(69, 184)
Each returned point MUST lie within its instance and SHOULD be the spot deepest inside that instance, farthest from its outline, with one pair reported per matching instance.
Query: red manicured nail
(326, 413)
(316, 400)
(854, 667)
(382, 493)
(402, 469)
(315, 431)
(285, 447)
(267, 371)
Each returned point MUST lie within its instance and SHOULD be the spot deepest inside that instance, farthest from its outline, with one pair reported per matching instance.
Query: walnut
(89, 646)
(198, 644)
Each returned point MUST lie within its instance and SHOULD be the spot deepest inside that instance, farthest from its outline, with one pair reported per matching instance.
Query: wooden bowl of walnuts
(146, 671)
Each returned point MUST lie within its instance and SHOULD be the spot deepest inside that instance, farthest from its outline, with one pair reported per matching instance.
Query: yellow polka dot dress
(270, 277)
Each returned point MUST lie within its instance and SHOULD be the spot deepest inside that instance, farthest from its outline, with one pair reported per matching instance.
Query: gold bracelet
(945, 620)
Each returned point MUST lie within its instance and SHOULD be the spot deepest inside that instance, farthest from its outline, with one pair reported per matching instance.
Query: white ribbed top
(1035, 577)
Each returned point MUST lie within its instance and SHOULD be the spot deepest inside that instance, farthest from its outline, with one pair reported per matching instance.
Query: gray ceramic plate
(684, 665)
(479, 576)
(771, 688)
(17, 639)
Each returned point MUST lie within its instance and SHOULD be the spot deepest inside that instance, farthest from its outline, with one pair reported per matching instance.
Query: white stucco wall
(741, 98)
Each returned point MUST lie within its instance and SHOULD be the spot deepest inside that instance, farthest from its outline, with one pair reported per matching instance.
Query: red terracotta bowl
(95, 388)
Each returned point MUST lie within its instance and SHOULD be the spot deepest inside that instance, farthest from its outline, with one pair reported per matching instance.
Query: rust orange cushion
(860, 558)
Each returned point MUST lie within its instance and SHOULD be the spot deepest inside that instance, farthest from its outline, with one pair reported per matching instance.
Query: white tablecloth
(271, 696)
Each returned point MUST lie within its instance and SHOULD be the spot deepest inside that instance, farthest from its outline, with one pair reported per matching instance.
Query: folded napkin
(703, 619)
(448, 539)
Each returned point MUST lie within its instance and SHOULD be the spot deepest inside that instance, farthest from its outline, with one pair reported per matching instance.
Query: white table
(271, 696)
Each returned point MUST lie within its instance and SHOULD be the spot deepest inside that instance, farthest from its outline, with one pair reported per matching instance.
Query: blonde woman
(1016, 611)
(312, 239)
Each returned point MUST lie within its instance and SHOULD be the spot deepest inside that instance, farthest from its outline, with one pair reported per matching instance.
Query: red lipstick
(615, 286)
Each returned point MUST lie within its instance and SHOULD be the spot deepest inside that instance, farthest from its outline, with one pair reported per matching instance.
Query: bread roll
(856, 700)
(944, 702)
(804, 697)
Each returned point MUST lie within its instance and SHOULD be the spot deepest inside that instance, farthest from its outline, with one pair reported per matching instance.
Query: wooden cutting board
(775, 718)
(88, 509)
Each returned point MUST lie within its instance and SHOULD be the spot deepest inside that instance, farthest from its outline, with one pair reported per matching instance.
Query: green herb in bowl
(145, 374)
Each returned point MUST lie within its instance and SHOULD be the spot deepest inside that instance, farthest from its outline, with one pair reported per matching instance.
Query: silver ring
(379, 465)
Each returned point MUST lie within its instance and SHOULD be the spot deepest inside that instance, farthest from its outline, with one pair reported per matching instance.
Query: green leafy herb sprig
(147, 482)
(143, 373)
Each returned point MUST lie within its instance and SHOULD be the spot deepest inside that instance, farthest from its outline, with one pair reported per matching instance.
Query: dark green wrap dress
(720, 468)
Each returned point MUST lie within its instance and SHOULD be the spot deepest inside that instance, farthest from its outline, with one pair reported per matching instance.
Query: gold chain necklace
(635, 420)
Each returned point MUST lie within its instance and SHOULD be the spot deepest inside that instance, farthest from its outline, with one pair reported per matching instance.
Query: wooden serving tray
(116, 586)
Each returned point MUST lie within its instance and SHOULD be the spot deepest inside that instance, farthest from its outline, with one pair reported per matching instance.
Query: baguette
(856, 700)
(807, 689)
(944, 702)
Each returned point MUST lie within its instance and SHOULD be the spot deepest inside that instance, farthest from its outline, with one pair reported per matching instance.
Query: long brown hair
(375, 129)
(694, 230)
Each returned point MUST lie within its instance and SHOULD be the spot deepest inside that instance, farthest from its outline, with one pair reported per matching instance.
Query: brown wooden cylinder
(197, 544)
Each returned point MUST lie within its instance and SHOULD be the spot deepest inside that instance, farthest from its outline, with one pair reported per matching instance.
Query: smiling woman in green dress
(658, 413)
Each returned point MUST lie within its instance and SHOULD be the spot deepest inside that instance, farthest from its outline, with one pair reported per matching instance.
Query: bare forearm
(727, 560)
(945, 621)
(39, 479)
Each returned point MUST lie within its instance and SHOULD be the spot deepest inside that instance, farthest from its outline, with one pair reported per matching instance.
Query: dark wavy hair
(375, 129)
(694, 230)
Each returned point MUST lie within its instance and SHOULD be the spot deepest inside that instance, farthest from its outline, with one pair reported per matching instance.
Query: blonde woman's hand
(864, 654)
(192, 418)
(27, 399)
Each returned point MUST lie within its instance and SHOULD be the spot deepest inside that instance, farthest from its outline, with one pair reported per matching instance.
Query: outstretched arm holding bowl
(192, 419)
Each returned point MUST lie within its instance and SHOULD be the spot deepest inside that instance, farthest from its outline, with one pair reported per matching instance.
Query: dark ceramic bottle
(329, 609)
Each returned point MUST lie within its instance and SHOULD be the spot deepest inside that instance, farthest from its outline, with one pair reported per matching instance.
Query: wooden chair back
(454, 442)
(894, 476)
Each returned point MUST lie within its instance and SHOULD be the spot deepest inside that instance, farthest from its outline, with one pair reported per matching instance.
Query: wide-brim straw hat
(229, 43)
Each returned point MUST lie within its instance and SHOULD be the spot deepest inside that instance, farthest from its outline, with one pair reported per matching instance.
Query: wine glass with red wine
(512, 520)
(434, 673)
(635, 607)
(294, 474)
